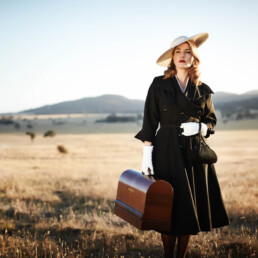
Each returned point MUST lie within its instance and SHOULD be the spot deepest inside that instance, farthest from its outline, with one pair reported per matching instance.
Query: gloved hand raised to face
(192, 128)
(147, 160)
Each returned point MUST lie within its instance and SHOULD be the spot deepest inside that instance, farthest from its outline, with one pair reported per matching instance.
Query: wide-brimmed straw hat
(165, 58)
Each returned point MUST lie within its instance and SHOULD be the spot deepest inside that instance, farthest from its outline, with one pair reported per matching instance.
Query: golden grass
(54, 204)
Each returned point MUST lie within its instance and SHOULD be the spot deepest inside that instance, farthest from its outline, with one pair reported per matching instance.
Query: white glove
(147, 160)
(192, 128)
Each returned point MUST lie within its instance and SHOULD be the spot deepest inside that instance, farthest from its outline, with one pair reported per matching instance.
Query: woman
(176, 102)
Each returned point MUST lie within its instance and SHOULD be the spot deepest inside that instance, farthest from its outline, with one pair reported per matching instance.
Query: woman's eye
(177, 52)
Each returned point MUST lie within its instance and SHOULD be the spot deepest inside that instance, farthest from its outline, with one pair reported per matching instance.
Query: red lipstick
(181, 61)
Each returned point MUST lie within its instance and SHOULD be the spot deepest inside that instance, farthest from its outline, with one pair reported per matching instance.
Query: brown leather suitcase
(144, 201)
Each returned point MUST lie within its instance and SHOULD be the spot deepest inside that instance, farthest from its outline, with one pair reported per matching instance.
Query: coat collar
(192, 91)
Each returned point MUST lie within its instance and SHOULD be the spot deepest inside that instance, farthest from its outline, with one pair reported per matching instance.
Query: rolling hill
(101, 104)
(119, 104)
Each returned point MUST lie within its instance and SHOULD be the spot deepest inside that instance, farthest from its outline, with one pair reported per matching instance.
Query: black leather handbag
(201, 153)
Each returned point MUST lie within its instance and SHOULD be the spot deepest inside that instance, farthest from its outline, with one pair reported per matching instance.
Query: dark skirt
(198, 204)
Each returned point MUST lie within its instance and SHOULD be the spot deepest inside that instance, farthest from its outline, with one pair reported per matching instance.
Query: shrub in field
(50, 133)
(62, 149)
(32, 135)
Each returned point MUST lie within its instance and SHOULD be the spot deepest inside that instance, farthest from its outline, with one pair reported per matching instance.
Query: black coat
(198, 204)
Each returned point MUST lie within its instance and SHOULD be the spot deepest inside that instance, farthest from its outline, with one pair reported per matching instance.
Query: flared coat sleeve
(209, 116)
(150, 117)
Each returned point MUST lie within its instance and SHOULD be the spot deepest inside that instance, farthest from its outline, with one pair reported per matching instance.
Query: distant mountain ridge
(118, 104)
(222, 97)
(102, 104)
(238, 105)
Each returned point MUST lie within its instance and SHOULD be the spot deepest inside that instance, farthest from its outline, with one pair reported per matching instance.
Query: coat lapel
(192, 92)
(189, 101)
(184, 101)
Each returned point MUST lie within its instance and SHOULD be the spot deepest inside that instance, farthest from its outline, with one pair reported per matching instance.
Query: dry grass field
(57, 205)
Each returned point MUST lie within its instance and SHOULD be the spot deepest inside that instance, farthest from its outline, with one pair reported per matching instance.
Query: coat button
(182, 113)
(165, 110)
(199, 112)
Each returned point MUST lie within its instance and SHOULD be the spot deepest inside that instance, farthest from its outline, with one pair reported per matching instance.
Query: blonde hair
(193, 71)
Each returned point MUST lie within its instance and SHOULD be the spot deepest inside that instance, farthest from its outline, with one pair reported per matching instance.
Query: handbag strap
(199, 134)
(199, 131)
(200, 126)
(201, 139)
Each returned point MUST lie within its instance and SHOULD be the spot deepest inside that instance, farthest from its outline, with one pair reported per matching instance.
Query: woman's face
(183, 58)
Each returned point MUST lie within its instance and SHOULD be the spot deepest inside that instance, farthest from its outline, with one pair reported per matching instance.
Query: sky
(58, 50)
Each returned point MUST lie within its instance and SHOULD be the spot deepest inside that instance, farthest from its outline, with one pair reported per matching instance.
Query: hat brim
(165, 58)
